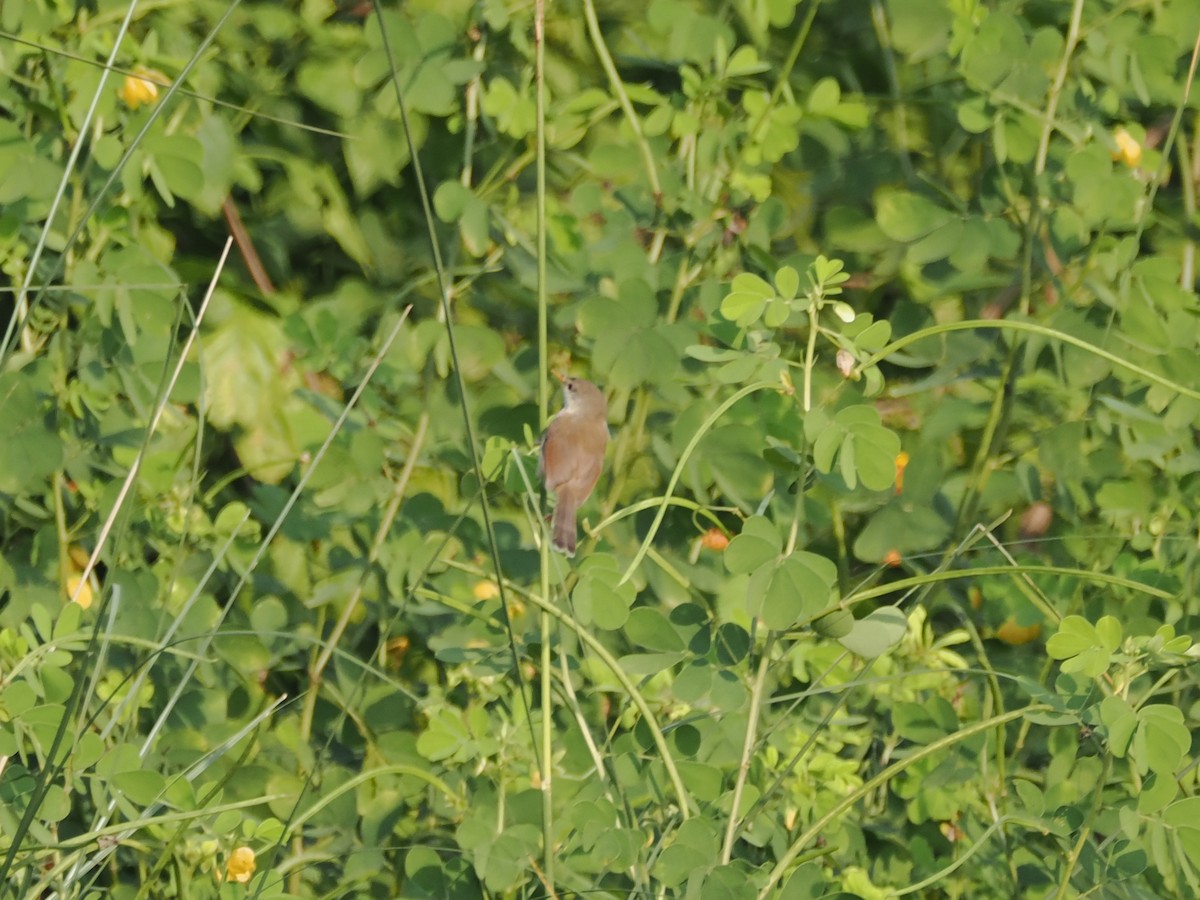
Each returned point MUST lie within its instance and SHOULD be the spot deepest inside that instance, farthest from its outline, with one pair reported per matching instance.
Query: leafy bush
(887, 588)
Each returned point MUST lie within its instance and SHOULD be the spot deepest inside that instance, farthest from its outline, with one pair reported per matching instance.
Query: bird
(573, 455)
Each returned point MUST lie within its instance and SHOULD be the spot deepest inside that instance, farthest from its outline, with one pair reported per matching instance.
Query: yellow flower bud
(241, 865)
(1129, 151)
(141, 88)
(485, 590)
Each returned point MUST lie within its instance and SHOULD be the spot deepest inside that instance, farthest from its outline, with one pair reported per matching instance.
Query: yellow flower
(397, 648)
(902, 460)
(141, 87)
(85, 594)
(485, 590)
(1011, 632)
(1129, 151)
(241, 865)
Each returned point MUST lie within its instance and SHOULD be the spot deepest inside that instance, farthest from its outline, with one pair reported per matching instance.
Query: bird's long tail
(563, 526)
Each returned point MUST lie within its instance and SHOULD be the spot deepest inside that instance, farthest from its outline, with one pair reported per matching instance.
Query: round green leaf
(599, 597)
(758, 543)
(836, 624)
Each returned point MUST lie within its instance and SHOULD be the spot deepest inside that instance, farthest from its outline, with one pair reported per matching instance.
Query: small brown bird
(573, 454)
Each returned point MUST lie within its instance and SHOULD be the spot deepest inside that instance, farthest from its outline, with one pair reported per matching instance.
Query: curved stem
(678, 472)
(1028, 328)
(618, 88)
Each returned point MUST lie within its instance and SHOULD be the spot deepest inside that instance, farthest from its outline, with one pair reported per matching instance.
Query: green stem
(1085, 830)
(748, 742)
(1060, 78)
(810, 353)
(547, 700)
(678, 472)
(618, 88)
(1028, 328)
(785, 72)
(635, 696)
(993, 434)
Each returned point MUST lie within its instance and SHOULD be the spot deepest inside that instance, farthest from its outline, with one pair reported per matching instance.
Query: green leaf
(824, 96)
(706, 353)
(919, 30)
(693, 849)
(1162, 740)
(906, 528)
(377, 152)
(450, 200)
(219, 149)
(874, 337)
(142, 787)
(907, 217)
(924, 723)
(836, 624)
(990, 54)
(732, 644)
(758, 542)
(744, 307)
(1184, 817)
(630, 344)
(1075, 634)
(329, 82)
(648, 629)
(644, 665)
(1080, 645)
(1108, 630)
(599, 597)
(937, 245)
(797, 586)
(744, 61)
(877, 633)
(445, 735)
(1119, 721)
(865, 449)
(31, 450)
(787, 282)
(703, 781)
(694, 682)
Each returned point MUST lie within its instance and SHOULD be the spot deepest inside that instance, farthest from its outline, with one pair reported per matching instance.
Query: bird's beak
(560, 376)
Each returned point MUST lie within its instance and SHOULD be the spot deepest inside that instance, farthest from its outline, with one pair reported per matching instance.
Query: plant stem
(756, 695)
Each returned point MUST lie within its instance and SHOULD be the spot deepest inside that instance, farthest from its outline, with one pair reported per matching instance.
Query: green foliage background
(891, 581)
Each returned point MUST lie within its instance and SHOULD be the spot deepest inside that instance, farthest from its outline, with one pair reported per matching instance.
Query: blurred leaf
(31, 450)
(876, 633)
(907, 217)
